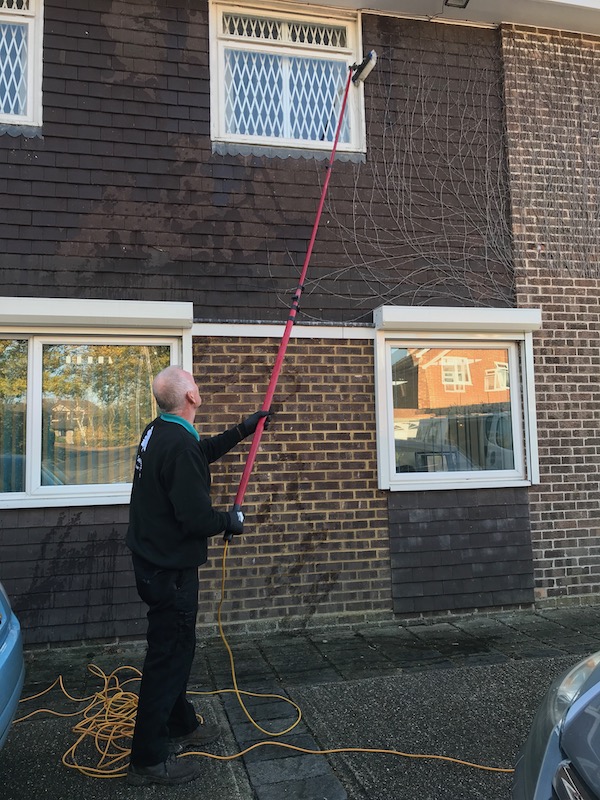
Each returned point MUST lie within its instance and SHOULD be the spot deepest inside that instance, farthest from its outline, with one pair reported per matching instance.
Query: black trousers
(163, 710)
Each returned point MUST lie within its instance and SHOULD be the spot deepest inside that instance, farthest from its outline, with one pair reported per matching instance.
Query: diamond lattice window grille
(253, 94)
(251, 27)
(14, 5)
(292, 32)
(323, 35)
(314, 86)
(13, 69)
(274, 96)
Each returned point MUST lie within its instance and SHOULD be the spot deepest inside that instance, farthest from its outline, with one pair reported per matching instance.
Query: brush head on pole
(363, 70)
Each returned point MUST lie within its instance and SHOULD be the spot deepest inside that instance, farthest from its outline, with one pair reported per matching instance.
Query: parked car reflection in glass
(467, 442)
(561, 757)
(452, 408)
(12, 667)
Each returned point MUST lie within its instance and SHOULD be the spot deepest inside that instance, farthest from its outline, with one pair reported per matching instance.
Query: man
(171, 517)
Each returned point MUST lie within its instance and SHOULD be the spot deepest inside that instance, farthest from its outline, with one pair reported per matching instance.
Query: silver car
(12, 666)
(561, 757)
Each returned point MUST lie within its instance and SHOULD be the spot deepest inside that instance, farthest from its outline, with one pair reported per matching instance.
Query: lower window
(71, 412)
(455, 397)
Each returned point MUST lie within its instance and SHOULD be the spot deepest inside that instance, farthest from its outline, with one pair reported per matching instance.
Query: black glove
(236, 523)
(248, 426)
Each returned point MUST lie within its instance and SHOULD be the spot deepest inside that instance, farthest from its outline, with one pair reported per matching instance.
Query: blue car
(12, 665)
(561, 757)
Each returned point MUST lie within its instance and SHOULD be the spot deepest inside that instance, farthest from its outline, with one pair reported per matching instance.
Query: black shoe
(171, 772)
(203, 734)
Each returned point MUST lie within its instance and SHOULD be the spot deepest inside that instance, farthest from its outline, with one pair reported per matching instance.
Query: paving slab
(506, 638)
(585, 619)
(323, 787)
(274, 751)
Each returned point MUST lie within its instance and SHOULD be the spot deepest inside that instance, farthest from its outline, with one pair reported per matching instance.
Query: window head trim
(454, 320)
(69, 313)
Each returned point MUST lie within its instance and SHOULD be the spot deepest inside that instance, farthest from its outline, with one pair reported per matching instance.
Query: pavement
(461, 687)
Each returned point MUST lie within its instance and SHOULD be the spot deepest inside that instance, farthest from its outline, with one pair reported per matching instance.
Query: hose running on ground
(107, 717)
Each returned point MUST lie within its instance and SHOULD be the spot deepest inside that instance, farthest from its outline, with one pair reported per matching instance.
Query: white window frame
(65, 321)
(33, 18)
(352, 54)
(455, 328)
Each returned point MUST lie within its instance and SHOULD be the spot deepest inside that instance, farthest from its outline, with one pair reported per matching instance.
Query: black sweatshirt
(171, 514)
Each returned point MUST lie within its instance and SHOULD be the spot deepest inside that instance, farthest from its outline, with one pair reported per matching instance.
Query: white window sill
(117, 496)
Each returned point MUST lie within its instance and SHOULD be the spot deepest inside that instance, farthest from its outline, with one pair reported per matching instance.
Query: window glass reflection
(452, 409)
(96, 399)
(13, 413)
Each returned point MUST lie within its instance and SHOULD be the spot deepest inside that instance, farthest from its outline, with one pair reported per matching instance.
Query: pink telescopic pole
(355, 73)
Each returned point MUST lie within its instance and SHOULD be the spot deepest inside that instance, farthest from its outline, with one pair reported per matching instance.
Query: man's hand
(235, 524)
(248, 426)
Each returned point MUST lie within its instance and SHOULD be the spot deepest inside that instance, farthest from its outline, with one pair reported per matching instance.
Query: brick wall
(317, 545)
(553, 102)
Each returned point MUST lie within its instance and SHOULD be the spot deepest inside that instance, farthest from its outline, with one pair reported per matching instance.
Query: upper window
(455, 399)
(278, 78)
(73, 404)
(21, 61)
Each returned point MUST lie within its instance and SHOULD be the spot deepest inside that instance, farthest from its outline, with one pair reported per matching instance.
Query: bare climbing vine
(430, 208)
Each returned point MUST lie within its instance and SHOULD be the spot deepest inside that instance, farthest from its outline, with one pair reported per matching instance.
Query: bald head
(176, 392)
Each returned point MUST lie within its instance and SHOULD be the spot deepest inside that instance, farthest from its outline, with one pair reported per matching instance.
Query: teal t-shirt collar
(183, 422)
